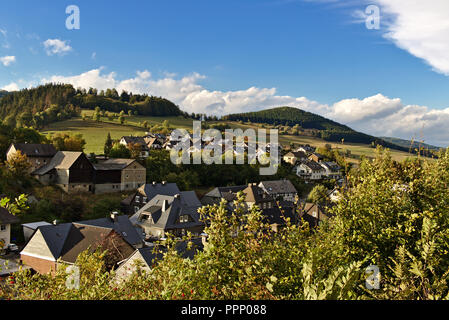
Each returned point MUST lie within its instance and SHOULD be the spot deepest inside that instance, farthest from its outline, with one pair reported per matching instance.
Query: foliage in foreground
(392, 215)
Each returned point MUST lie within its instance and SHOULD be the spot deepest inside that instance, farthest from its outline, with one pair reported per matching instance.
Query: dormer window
(184, 218)
(144, 200)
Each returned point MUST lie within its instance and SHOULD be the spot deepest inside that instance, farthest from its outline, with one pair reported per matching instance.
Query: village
(150, 211)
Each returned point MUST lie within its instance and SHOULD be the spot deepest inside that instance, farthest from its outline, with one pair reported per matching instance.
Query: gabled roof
(220, 191)
(315, 166)
(114, 164)
(35, 225)
(66, 241)
(7, 218)
(132, 139)
(256, 194)
(35, 150)
(331, 166)
(121, 225)
(175, 206)
(151, 190)
(278, 186)
(62, 160)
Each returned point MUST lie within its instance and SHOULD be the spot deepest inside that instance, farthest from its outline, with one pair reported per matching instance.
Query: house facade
(310, 170)
(6, 220)
(38, 155)
(116, 175)
(294, 156)
(332, 170)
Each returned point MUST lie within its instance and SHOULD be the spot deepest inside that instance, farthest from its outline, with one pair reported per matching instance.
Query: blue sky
(304, 49)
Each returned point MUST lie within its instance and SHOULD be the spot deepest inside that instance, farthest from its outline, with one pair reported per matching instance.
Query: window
(136, 209)
(144, 200)
(137, 198)
(184, 218)
(2, 227)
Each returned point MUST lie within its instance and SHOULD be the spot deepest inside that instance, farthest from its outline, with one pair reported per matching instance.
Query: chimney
(55, 222)
(164, 205)
(114, 216)
(164, 183)
(177, 196)
(154, 183)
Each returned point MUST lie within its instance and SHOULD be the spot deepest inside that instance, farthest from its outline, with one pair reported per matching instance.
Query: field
(95, 133)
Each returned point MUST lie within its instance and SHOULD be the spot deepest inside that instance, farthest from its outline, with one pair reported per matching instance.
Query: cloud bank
(377, 115)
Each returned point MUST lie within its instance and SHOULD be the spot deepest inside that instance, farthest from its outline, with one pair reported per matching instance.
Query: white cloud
(419, 27)
(7, 60)
(377, 115)
(56, 46)
(11, 87)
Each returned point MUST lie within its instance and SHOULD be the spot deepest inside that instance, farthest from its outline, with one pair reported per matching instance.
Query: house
(53, 245)
(332, 170)
(310, 170)
(144, 259)
(139, 142)
(30, 228)
(215, 195)
(71, 171)
(293, 156)
(145, 193)
(6, 220)
(280, 189)
(306, 149)
(170, 214)
(37, 155)
(314, 214)
(120, 224)
(115, 175)
(317, 157)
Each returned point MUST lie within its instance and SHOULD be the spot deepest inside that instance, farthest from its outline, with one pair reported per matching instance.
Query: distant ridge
(314, 124)
(408, 143)
(3, 93)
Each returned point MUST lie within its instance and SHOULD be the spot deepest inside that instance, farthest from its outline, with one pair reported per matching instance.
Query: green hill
(311, 124)
(49, 103)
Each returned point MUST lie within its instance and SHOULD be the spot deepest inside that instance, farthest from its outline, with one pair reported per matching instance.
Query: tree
(121, 118)
(18, 165)
(108, 145)
(318, 195)
(119, 151)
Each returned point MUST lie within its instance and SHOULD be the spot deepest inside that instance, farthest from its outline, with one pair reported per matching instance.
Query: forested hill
(3, 92)
(53, 102)
(312, 124)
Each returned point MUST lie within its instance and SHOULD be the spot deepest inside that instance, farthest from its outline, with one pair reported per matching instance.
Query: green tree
(108, 145)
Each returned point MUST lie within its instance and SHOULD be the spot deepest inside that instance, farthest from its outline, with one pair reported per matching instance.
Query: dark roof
(114, 164)
(122, 226)
(185, 204)
(297, 154)
(132, 139)
(35, 150)
(279, 186)
(66, 241)
(7, 218)
(150, 190)
(313, 165)
(220, 191)
(62, 160)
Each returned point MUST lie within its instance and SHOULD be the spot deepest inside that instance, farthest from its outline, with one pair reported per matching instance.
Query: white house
(332, 170)
(310, 170)
(6, 220)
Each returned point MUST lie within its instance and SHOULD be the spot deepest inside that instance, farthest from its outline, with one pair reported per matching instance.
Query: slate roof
(66, 241)
(186, 204)
(62, 160)
(113, 164)
(35, 150)
(220, 191)
(278, 186)
(131, 139)
(35, 225)
(332, 166)
(7, 218)
(150, 190)
(315, 166)
(122, 226)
